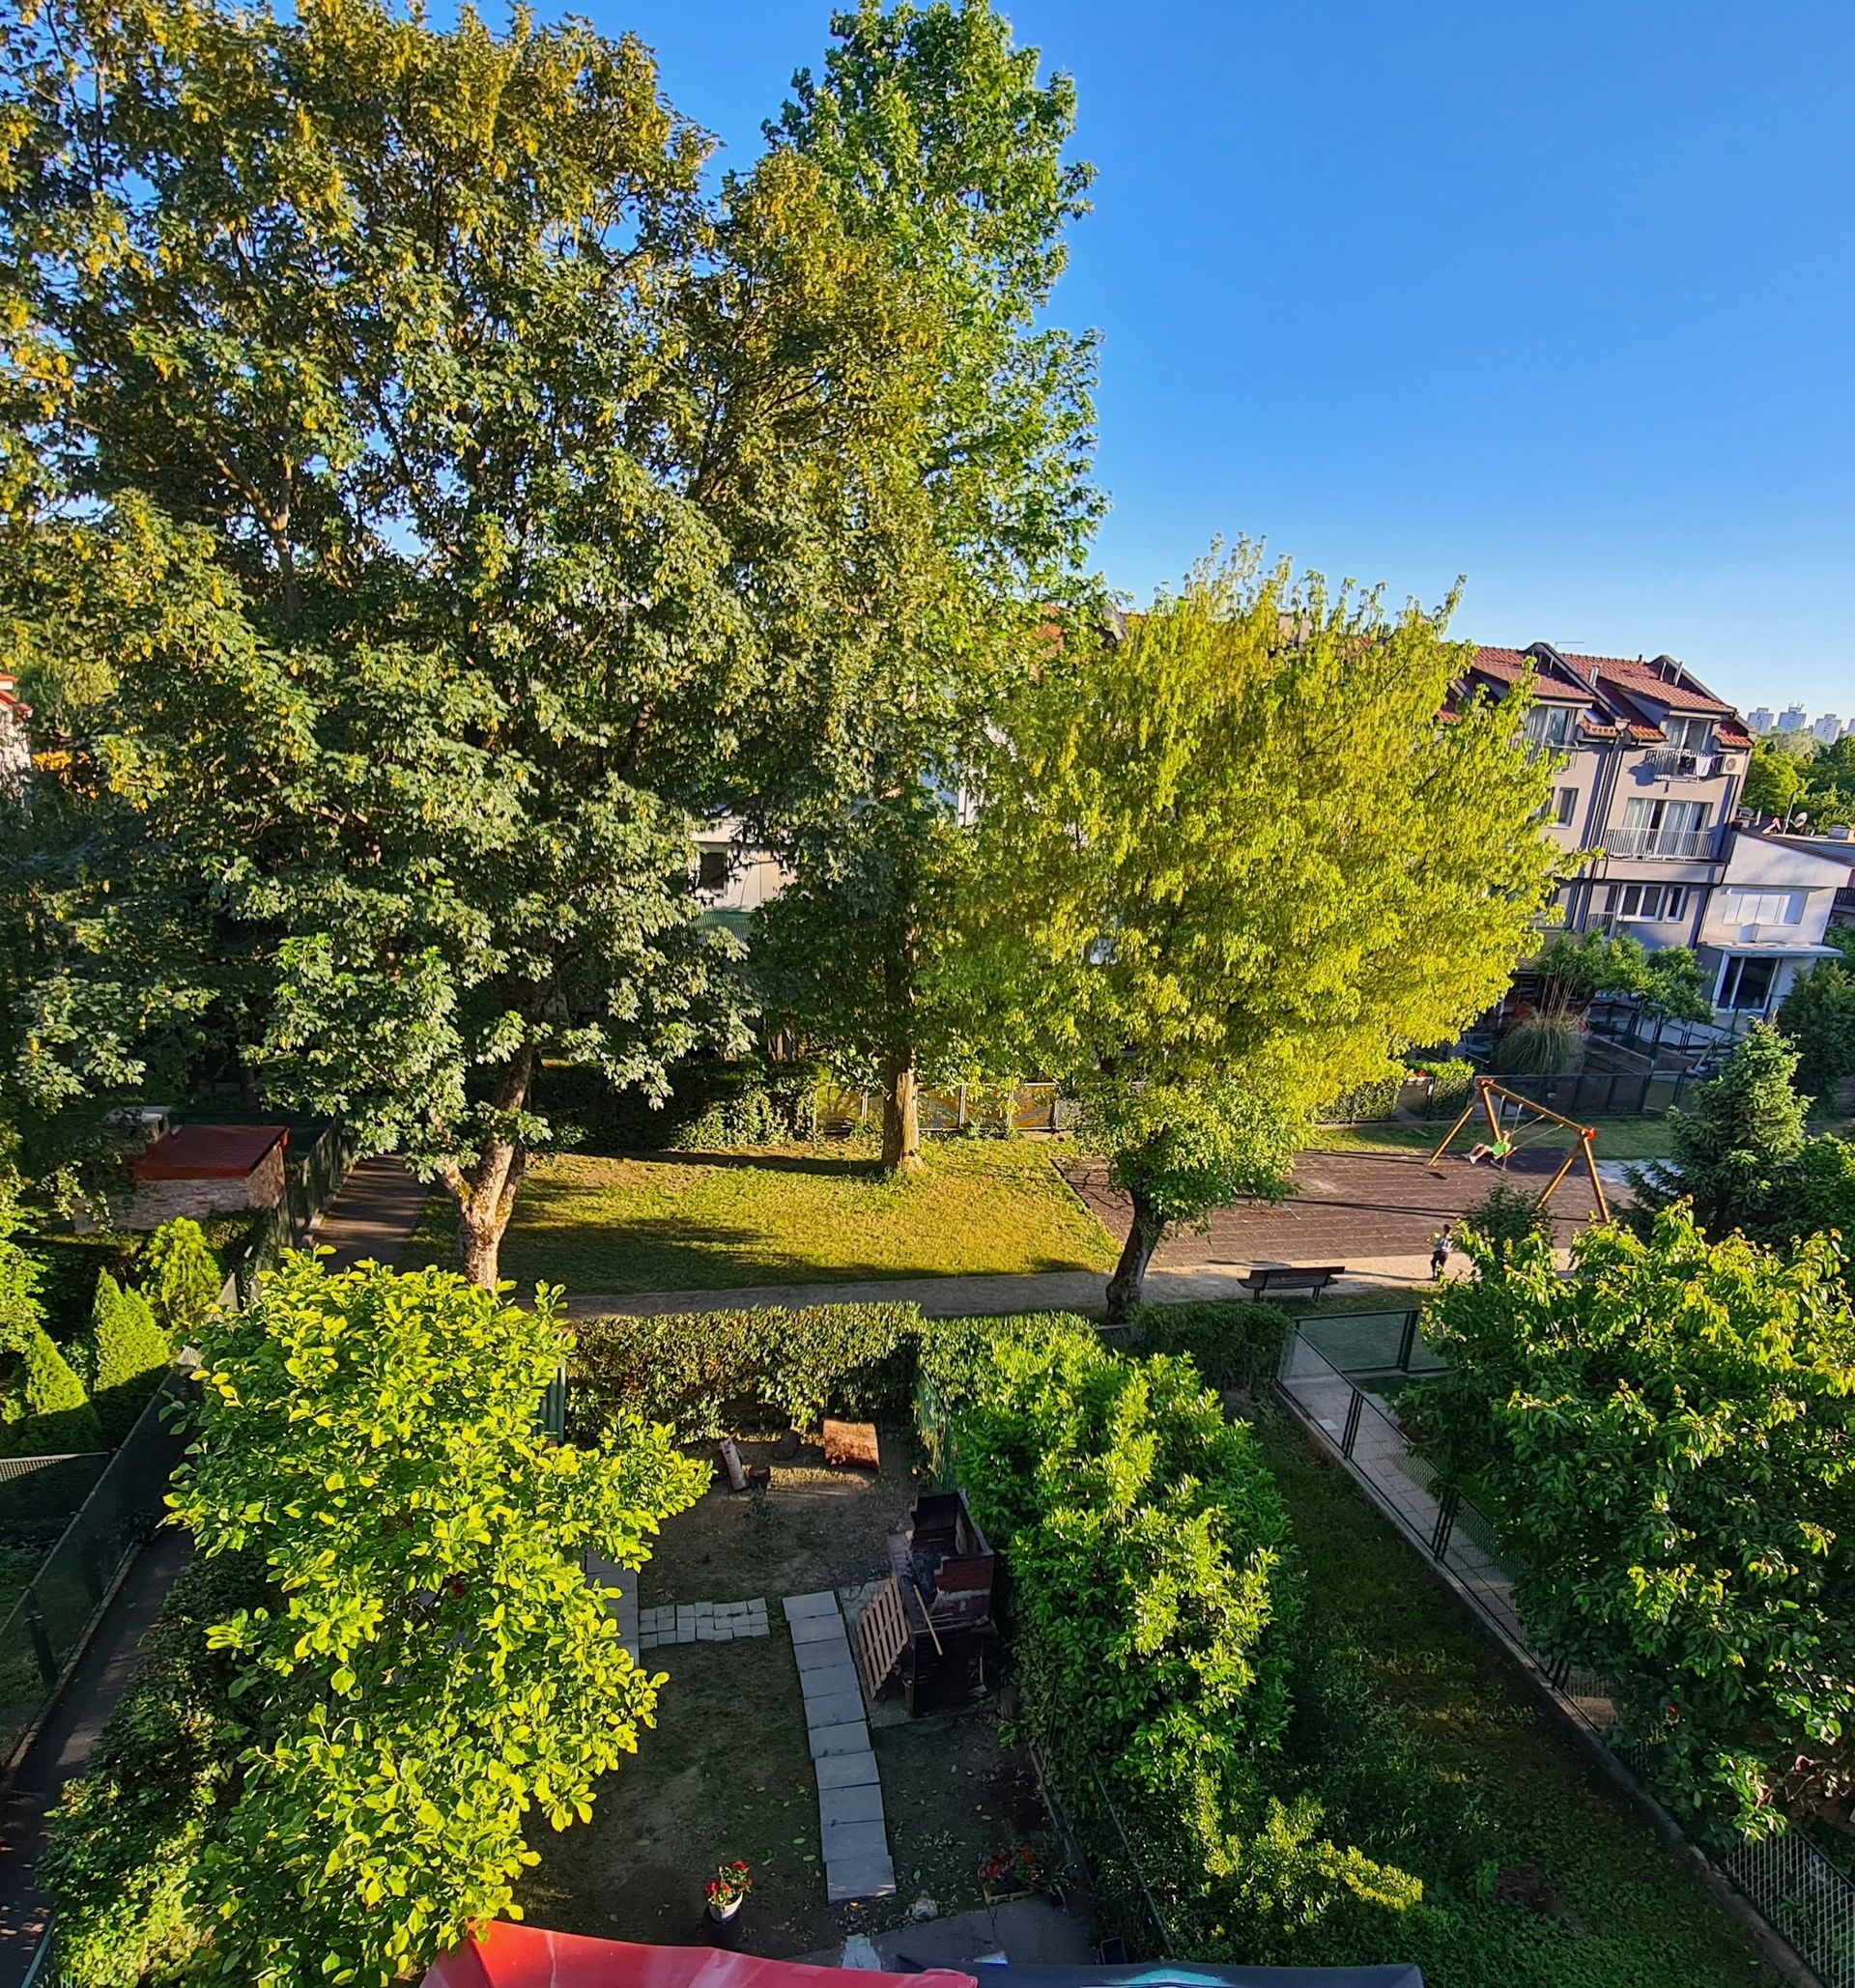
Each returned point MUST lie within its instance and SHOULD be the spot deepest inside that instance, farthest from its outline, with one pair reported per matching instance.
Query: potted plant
(726, 1891)
(1009, 1874)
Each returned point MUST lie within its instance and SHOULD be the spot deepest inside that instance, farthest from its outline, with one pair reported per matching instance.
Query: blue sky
(1558, 296)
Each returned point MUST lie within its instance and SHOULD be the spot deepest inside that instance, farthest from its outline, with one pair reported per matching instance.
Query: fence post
(1448, 1503)
(1351, 1431)
(1407, 1342)
(959, 1111)
(40, 1640)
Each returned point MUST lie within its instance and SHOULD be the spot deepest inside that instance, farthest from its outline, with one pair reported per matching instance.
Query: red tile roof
(1618, 686)
(207, 1152)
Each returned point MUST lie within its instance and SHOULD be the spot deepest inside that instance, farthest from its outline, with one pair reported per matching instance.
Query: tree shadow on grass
(842, 1167)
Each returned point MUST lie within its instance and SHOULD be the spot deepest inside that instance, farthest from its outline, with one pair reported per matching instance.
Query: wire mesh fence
(1798, 1890)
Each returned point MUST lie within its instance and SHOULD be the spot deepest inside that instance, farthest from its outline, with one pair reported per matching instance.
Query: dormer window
(1689, 734)
(1553, 726)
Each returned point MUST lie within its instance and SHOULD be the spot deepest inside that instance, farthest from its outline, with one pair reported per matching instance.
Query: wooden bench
(1309, 1278)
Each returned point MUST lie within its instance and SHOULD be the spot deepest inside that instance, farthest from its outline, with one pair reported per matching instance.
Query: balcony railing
(1670, 760)
(1689, 846)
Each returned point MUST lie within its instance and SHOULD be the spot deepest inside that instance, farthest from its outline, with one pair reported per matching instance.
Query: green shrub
(1505, 1216)
(1230, 1342)
(180, 1279)
(72, 1265)
(1543, 1045)
(752, 1102)
(125, 1839)
(712, 1373)
(1377, 1100)
(129, 1353)
(45, 1410)
(1154, 1609)
(1450, 1083)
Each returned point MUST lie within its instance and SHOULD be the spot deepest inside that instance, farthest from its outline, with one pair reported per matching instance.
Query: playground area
(1375, 1213)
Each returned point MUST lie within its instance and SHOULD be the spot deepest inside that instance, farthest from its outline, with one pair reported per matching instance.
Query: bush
(44, 1409)
(129, 1353)
(1154, 1607)
(1230, 1342)
(1450, 1083)
(123, 1840)
(72, 1265)
(711, 1374)
(1378, 1100)
(711, 1104)
(180, 1279)
(1505, 1216)
(1543, 1045)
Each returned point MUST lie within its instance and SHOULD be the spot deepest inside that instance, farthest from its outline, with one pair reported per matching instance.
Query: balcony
(1681, 845)
(1671, 763)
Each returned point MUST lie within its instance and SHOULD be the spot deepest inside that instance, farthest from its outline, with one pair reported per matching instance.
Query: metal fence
(312, 1181)
(1794, 1888)
(1030, 1108)
(1605, 1093)
(52, 1620)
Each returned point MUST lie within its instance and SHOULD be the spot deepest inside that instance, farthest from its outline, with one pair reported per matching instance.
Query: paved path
(374, 1215)
(65, 1744)
(851, 1830)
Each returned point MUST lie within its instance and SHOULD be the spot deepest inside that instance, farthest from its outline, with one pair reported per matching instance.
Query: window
(1564, 804)
(1746, 984)
(1656, 902)
(1761, 907)
(713, 872)
(1552, 725)
(1661, 827)
(1689, 734)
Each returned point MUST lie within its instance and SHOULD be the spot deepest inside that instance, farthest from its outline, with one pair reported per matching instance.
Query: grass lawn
(1428, 1750)
(788, 1215)
(1617, 1139)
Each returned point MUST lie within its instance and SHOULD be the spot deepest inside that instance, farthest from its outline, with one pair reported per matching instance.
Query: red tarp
(531, 1957)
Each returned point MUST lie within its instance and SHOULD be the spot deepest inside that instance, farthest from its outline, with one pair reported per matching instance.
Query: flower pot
(723, 1913)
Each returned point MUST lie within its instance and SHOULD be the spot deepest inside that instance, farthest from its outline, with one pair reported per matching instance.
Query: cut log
(731, 1464)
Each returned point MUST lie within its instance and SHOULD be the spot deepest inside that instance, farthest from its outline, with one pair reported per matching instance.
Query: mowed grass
(800, 1214)
(1617, 1139)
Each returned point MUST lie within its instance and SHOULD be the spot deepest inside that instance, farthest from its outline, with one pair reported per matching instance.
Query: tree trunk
(901, 1115)
(1129, 1279)
(485, 1196)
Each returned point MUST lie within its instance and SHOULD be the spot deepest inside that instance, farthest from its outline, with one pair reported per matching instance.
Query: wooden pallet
(882, 1635)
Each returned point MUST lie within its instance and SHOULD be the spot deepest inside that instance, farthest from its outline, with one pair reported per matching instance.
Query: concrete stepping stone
(804, 1608)
(852, 1737)
(845, 1769)
(834, 1707)
(819, 1629)
(869, 1877)
(838, 1806)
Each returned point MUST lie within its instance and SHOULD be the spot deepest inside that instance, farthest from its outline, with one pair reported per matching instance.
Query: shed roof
(208, 1153)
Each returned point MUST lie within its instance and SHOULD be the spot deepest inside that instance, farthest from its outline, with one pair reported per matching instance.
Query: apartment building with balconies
(1649, 767)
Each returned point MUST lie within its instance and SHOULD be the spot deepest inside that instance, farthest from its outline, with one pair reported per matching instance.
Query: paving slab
(822, 1653)
(871, 1878)
(835, 1708)
(803, 1608)
(838, 1806)
(839, 1681)
(819, 1629)
(854, 1842)
(851, 1737)
(846, 1769)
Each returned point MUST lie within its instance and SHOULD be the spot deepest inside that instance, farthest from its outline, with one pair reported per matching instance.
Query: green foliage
(125, 1357)
(710, 1373)
(1662, 1440)
(1222, 878)
(1153, 1608)
(1232, 1342)
(127, 1841)
(709, 1104)
(1451, 1079)
(1819, 1015)
(1576, 970)
(180, 1279)
(44, 1409)
(1505, 1218)
(1541, 1045)
(1774, 780)
(1735, 1150)
(430, 1667)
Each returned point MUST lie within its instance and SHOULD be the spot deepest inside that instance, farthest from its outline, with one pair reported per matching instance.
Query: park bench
(1311, 1279)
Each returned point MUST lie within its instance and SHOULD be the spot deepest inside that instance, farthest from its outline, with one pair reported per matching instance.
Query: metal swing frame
(1486, 1091)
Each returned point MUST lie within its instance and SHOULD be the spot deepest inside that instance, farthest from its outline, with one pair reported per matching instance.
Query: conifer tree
(128, 1355)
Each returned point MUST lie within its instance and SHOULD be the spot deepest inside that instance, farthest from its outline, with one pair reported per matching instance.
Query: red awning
(511, 1956)
(208, 1153)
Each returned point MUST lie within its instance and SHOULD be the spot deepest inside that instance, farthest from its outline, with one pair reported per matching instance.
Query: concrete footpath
(65, 1744)
(373, 1217)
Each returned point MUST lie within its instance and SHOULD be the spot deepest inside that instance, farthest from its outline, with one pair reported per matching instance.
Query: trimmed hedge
(711, 1374)
(129, 1355)
(1232, 1342)
(711, 1104)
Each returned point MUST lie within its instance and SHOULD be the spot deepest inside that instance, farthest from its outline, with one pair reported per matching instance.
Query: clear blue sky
(1558, 297)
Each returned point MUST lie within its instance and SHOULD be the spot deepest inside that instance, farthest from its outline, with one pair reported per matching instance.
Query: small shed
(206, 1170)
(932, 1620)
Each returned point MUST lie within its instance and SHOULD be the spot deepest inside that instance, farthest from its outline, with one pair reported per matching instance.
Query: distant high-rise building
(1793, 718)
(1759, 720)
(1827, 730)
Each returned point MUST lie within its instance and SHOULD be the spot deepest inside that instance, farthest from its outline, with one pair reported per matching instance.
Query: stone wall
(156, 1202)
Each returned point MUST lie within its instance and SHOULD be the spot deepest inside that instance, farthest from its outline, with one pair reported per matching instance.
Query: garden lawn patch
(1635, 1138)
(1427, 1748)
(788, 1215)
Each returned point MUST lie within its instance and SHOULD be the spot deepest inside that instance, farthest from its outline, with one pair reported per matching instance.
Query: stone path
(373, 1215)
(850, 1822)
(701, 1622)
(609, 1575)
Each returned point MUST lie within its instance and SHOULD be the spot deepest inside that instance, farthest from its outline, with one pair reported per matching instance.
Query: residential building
(1758, 720)
(1650, 766)
(1793, 718)
(1827, 730)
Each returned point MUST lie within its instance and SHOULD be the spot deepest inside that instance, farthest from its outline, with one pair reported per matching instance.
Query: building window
(1663, 828)
(1746, 984)
(1689, 734)
(1552, 725)
(1564, 804)
(1658, 903)
(1761, 907)
(712, 875)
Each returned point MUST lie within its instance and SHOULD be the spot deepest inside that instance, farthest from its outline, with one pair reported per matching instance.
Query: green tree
(1819, 1015)
(1573, 971)
(1504, 1218)
(129, 1352)
(1774, 780)
(1232, 866)
(44, 1408)
(180, 1279)
(1662, 1439)
(1735, 1150)
(940, 148)
(428, 1666)
(429, 494)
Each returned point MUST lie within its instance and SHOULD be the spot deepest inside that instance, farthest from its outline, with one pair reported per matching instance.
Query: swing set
(1502, 1143)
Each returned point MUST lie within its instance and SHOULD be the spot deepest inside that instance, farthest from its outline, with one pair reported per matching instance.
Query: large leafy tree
(425, 1668)
(1819, 1015)
(422, 489)
(1663, 1441)
(1737, 1149)
(940, 149)
(1233, 865)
